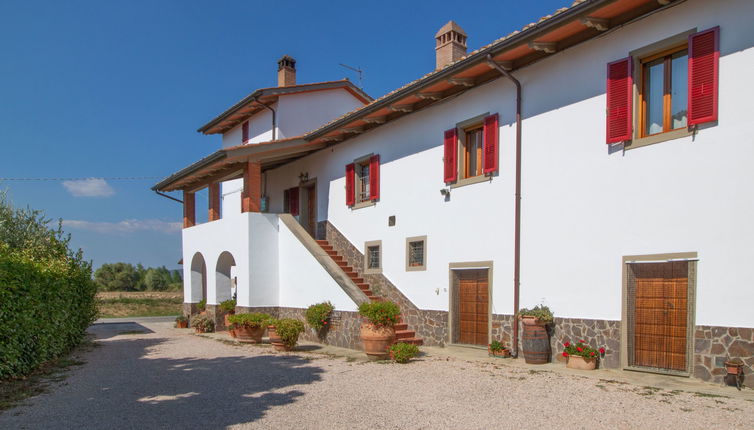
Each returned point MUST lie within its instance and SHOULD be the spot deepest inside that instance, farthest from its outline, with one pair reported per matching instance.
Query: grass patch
(613, 381)
(14, 391)
(698, 394)
(132, 332)
(139, 305)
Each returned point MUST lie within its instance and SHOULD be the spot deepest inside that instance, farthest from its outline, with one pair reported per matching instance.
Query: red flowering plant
(582, 349)
(318, 315)
(381, 314)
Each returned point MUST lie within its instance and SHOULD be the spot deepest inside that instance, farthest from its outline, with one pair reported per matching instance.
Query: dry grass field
(117, 304)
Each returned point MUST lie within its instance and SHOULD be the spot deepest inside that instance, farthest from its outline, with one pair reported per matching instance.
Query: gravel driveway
(169, 378)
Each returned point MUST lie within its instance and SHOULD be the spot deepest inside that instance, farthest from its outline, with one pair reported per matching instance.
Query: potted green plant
(377, 331)
(403, 352)
(284, 333)
(581, 356)
(202, 306)
(228, 307)
(535, 341)
(249, 328)
(181, 322)
(538, 315)
(202, 324)
(318, 315)
(497, 349)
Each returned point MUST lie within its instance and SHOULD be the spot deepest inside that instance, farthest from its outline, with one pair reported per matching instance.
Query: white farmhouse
(596, 161)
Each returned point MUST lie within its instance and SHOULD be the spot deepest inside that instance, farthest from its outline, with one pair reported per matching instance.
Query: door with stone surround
(473, 306)
(660, 311)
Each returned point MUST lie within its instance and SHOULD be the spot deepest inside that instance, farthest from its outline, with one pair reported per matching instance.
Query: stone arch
(223, 279)
(198, 278)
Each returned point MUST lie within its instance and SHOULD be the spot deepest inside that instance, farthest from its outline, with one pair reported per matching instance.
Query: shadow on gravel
(106, 330)
(121, 388)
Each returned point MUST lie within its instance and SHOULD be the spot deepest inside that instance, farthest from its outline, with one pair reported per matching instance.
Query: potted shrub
(228, 307)
(538, 315)
(181, 322)
(497, 349)
(284, 333)
(403, 352)
(377, 331)
(202, 306)
(318, 316)
(203, 324)
(249, 328)
(581, 356)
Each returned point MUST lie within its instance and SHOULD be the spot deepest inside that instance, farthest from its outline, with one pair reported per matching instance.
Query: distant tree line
(127, 277)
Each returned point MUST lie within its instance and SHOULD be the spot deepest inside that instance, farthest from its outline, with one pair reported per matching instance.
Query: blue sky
(117, 89)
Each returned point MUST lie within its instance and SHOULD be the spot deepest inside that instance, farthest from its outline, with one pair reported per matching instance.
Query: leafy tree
(117, 277)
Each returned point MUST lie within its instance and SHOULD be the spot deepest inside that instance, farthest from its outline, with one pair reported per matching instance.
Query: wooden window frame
(423, 266)
(357, 182)
(367, 245)
(667, 98)
(471, 124)
(641, 56)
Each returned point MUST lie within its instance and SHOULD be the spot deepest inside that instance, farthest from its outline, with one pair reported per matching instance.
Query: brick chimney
(450, 44)
(286, 71)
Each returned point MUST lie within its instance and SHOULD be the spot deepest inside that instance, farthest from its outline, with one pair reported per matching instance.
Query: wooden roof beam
(375, 119)
(466, 82)
(599, 24)
(352, 130)
(546, 47)
(429, 95)
(402, 108)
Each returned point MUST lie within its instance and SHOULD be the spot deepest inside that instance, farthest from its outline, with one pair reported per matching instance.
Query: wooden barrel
(536, 344)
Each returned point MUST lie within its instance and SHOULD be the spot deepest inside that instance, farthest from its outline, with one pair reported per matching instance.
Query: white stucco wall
(303, 281)
(304, 112)
(260, 129)
(583, 207)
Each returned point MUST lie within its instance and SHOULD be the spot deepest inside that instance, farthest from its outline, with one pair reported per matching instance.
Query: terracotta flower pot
(248, 334)
(581, 363)
(529, 320)
(377, 340)
(181, 324)
(500, 353)
(198, 329)
(225, 318)
(232, 332)
(275, 340)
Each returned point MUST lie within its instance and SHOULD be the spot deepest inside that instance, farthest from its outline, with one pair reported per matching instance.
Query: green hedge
(46, 304)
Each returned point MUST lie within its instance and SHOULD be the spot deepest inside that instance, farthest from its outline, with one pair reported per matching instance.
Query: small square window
(373, 257)
(416, 253)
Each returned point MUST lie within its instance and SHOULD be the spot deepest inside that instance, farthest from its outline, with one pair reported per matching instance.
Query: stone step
(336, 257)
(400, 326)
(322, 242)
(356, 279)
(326, 247)
(404, 334)
(363, 287)
(377, 299)
(332, 253)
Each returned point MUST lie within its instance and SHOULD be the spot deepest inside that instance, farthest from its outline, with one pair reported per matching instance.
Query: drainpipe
(274, 117)
(517, 222)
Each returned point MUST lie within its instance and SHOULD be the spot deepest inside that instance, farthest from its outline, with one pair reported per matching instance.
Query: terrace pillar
(189, 209)
(252, 187)
(214, 201)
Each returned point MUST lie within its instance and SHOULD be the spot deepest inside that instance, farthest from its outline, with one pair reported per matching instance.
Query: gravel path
(168, 378)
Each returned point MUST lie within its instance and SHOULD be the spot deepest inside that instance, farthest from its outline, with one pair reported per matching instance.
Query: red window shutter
(451, 151)
(350, 184)
(245, 132)
(293, 196)
(704, 58)
(490, 145)
(374, 177)
(287, 201)
(619, 100)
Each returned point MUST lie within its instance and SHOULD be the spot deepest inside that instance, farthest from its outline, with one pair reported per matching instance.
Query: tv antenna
(357, 70)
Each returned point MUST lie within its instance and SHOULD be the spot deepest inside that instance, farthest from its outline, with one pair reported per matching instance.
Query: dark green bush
(317, 315)
(251, 320)
(228, 305)
(380, 313)
(289, 329)
(403, 352)
(46, 292)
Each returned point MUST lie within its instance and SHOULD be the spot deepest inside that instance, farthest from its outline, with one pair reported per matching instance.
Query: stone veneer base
(712, 345)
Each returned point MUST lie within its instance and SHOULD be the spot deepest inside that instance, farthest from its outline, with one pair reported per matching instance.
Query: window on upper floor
(674, 85)
(363, 181)
(471, 150)
(245, 132)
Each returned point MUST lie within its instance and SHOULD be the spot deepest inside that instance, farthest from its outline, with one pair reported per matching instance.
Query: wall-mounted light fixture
(445, 192)
(303, 177)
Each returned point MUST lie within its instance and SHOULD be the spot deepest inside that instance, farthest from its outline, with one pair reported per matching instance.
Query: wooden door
(311, 210)
(473, 309)
(661, 315)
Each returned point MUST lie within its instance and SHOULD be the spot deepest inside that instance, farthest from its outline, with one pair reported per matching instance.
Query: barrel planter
(377, 340)
(248, 334)
(536, 343)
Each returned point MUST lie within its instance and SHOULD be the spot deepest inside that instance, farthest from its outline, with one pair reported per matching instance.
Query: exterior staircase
(402, 333)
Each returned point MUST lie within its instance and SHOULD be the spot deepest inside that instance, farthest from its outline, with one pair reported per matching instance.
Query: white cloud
(89, 188)
(126, 226)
